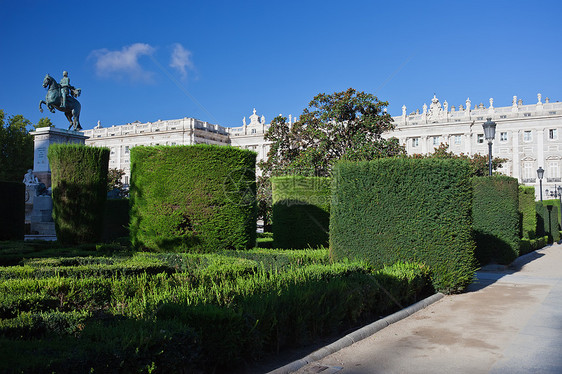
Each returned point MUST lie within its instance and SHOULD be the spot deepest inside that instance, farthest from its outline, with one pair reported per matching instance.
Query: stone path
(509, 321)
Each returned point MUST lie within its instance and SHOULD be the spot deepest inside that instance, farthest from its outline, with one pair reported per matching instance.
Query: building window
(528, 171)
(551, 112)
(480, 118)
(253, 131)
(552, 134)
(126, 149)
(527, 136)
(457, 139)
(415, 142)
(503, 137)
(553, 171)
(126, 179)
(527, 114)
(503, 116)
(436, 140)
(480, 138)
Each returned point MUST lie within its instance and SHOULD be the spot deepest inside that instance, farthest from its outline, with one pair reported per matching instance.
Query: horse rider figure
(64, 88)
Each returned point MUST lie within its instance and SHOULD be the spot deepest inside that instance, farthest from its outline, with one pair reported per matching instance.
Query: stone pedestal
(41, 217)
(43, 137)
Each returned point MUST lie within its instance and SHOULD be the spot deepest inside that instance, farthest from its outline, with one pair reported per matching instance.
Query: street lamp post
(540, 174)
(489, 134)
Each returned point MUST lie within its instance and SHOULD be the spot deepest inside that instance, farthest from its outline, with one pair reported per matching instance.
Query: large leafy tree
(16, 147)
(343, 125)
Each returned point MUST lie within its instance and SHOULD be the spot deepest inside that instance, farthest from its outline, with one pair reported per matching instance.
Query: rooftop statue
(63, 98)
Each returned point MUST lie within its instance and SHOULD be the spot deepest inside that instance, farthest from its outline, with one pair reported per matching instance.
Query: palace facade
(528, 136)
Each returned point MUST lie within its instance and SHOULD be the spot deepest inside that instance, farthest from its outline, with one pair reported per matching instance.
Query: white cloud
(123, 62)
(181, 60)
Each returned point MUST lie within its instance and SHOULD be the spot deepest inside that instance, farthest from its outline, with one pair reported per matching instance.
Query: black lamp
(540, 174)
(489, 133)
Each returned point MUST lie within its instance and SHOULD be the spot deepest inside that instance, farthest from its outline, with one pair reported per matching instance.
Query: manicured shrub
(548, 212)
(527, 212)
(301, 211)
(390, 210)
(496, 220)
(12, 210)
(170, 322)
(115, 220)
(79, 183)
(530, 245)
(198, 198)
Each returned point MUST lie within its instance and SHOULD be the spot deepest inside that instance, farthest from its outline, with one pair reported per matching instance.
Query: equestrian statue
(62, 97)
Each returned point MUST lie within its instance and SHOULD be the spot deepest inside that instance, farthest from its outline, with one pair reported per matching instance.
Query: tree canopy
(43, 122)
(16, 147)
(343, 125)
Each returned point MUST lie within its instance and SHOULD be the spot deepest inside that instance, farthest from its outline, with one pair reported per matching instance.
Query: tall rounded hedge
(402, 209)
(12, 211)
(79, 190)
(198, 198)
(496, 221)
(301, 211)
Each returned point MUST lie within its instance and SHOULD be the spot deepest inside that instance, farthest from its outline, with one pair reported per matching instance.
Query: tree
(478, 162)
(16, 147)
(343, 125)
(43, 122)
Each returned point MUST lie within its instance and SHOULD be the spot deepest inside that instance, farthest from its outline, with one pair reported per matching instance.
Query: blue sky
(217, 60)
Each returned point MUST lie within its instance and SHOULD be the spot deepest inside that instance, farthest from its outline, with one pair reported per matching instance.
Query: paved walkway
(509, 321)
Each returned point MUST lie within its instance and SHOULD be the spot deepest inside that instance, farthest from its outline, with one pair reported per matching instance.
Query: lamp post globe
(540, 174)
(489, 133)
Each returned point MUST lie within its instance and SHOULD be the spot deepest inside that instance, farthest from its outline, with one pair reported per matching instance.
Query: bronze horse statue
(53, 101)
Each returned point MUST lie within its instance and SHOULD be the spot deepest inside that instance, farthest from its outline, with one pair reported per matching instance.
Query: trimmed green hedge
(530, 245)
(528, 212)
(198, 198)
(391, 210)
(214, 325)
(548, 213)
(12, 211)
(79, 185)
(496, 222)
(301, 211)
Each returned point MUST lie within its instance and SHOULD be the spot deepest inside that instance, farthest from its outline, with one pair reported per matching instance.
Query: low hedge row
(530, 245)
(222, 322)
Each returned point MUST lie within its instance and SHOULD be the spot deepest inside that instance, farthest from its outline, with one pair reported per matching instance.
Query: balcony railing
(554, 179)
(529, 180)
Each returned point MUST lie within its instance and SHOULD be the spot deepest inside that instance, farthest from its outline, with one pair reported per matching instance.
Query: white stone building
(528, 136)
